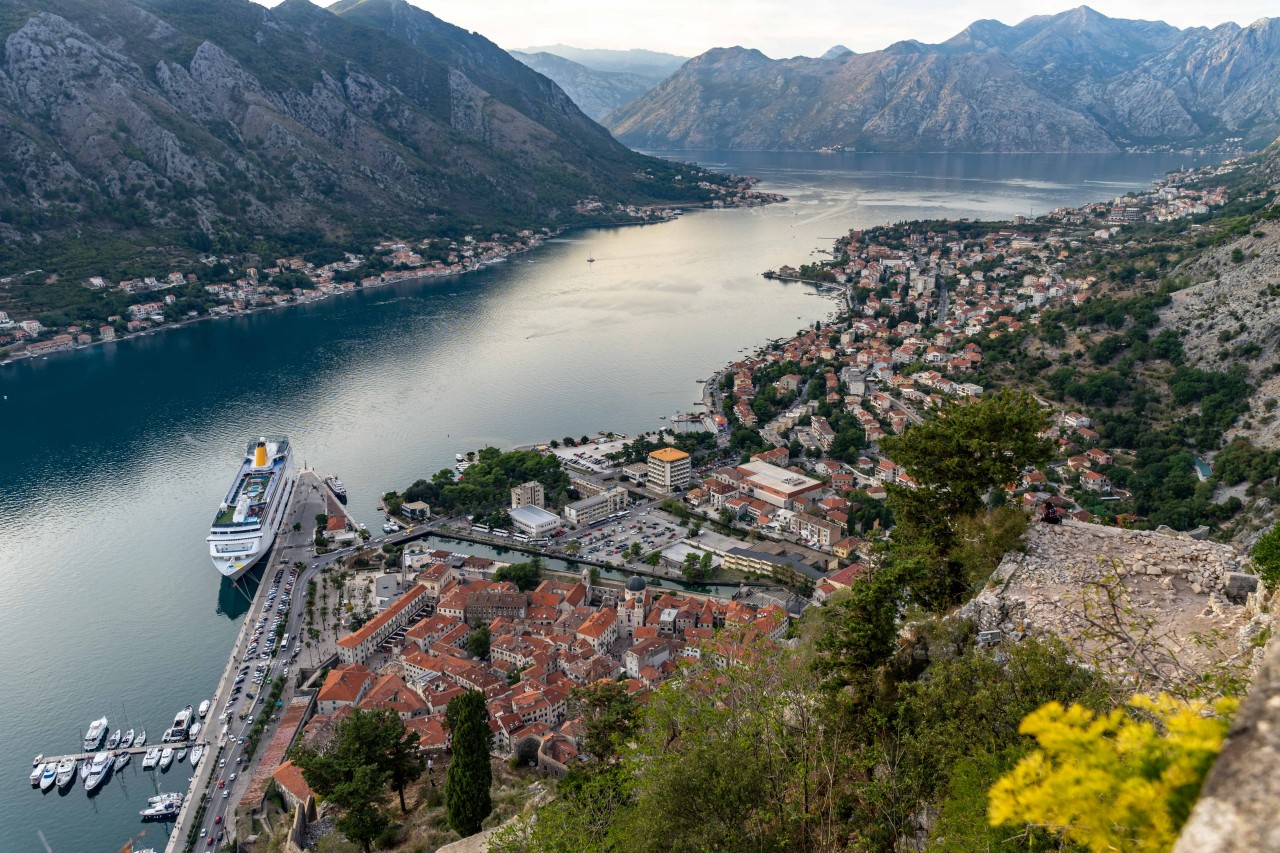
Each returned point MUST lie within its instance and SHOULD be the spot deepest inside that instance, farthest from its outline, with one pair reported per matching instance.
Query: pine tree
(466, 787)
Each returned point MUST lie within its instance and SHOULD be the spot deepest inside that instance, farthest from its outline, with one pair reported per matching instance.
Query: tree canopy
(466, 787)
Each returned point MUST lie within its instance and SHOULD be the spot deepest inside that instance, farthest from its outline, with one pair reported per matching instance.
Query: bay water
(115, 457)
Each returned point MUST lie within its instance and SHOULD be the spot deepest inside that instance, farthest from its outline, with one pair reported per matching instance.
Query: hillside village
(215, 287)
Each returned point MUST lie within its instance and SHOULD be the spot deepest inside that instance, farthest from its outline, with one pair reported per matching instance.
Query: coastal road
(224, 757)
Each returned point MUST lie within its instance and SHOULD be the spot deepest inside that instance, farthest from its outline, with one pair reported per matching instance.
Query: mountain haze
(650, 65)
(1075, 81)
(595, 92)
(218, 124)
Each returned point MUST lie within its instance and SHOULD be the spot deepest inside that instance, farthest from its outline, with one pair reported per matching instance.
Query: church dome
(635, 584)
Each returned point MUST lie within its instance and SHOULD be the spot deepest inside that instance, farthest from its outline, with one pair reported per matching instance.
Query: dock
(132, 750)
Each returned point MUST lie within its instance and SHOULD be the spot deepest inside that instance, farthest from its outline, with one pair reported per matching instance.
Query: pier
(132, 750)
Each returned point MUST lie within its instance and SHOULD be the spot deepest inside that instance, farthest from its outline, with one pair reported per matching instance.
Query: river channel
(115, 457)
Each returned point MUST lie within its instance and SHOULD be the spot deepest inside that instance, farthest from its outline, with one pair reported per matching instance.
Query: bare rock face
(222, 116)
(1076, 81)
(1152, 610)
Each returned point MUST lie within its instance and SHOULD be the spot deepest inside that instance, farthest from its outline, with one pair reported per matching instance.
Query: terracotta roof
(668, 454)
(344, 682)
(371, 627)
(289, 777)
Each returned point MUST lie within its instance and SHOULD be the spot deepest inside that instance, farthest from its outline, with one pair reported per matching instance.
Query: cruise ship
(253, 509)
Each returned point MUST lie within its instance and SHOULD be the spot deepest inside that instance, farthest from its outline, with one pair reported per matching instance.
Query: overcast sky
(783, 27)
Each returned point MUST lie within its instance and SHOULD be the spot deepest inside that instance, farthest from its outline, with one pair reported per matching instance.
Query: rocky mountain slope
(218, 124)
(595, 92)
(1076, 81)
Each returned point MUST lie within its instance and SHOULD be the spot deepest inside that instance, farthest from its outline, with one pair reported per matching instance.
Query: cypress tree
(466, 787)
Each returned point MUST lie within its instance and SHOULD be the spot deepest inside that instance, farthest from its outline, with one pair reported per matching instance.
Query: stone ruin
(1151, 609)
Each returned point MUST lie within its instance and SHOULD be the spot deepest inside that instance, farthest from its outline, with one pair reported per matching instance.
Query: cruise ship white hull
(254, 509)
(236, 567)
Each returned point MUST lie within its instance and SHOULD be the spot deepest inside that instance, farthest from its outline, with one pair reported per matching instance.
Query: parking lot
(650, 527)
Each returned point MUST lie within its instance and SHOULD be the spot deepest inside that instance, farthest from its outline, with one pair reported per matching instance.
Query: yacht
(183, 719)
(66, 772)
(98, 770)
(197, 752)
(48, 777)
(114, 740)
(339, 490)
(122, 758)
(141, 739)
(166, 798)
(195, 729)
(251, 513)
(166, 758)
(127, 740)
(204, 708)
(93, 737)
(37, 770)
(151, 759)
(163, 810)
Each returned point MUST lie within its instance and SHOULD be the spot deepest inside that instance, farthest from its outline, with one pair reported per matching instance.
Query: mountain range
(223, 125)
(1075, 81)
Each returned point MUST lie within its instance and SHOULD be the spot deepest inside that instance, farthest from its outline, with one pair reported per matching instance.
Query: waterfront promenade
(223, 764)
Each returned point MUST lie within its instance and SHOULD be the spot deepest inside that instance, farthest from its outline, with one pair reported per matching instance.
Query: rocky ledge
(1154, 610)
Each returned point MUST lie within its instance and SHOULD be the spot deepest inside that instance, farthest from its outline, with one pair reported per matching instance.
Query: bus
(284, 643)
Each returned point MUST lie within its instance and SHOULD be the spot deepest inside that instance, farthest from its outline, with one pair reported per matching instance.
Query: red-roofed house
(346, 684)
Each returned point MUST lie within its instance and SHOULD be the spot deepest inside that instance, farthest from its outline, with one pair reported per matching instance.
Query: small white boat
(127, 740)
(166, 758)
(122, 758)
(84, 769)
(38, 760)
(66, 771)
(93, 737)
(195, 729)
(141, 739)
(48, 777)
(151, 758)
(197, 752)
(181, 754)
(114, 740)
(458, 457)
(204, 708)
(36, 772)
(166, 798)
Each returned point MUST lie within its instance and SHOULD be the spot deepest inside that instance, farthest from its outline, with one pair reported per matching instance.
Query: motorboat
(195, 729)
(141, 739)
(165, 810)
(182, 720)
(151, 759)
(36, 772)
(197, 752)
(166, 798)
(122, 758)
(166, 758)
(48, 777)
(181, 754)
(114, 740)
(99, 768)
(93, 737)
(66, 772)
(204, 708)
(127, 740)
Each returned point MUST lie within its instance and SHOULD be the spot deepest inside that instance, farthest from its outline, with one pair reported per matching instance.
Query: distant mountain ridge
(1075, 81)
(221, 125)
(651, 65)
(595, 92)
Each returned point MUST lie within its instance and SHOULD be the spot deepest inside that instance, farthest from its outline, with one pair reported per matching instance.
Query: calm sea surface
(115, 458)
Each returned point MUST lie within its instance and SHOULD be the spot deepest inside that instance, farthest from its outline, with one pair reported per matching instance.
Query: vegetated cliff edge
(1076, 81)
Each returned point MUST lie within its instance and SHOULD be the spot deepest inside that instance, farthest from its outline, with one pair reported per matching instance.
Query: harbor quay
(221, 780)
